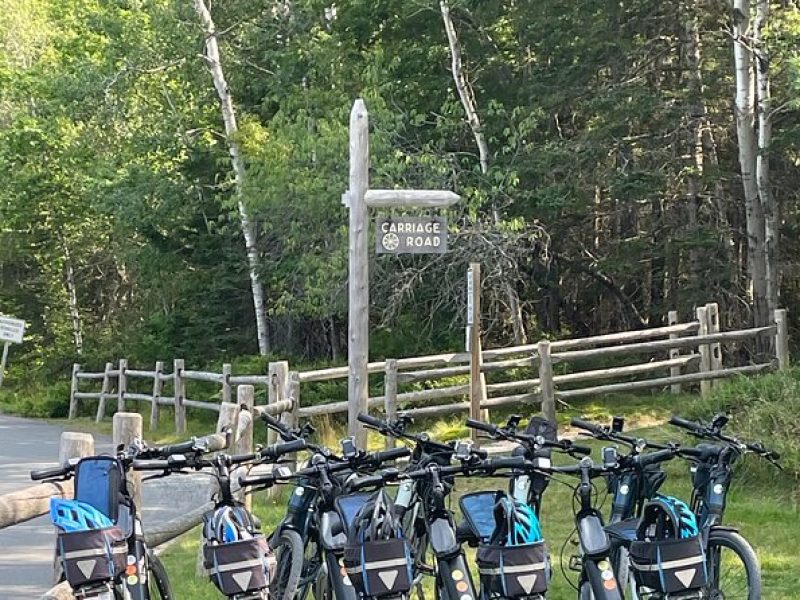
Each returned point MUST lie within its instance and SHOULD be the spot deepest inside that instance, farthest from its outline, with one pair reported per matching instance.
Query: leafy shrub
(50, 401)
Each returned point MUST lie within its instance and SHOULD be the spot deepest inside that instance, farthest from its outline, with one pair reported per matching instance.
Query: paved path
(26, 550)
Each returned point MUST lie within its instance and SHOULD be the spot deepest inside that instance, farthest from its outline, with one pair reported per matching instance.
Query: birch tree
(748, 150)
(467, 98)
(768, 203)
(213, 61)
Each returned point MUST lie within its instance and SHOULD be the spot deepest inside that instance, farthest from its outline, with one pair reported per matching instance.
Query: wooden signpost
(359, 199)
(11, 332)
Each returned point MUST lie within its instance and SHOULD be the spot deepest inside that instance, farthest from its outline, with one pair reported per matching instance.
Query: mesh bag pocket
(238, 567)
(92, 556)
(379, 568)
(669, 566)
(514, 571)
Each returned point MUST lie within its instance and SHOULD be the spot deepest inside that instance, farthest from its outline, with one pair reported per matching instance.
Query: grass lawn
(765, 515)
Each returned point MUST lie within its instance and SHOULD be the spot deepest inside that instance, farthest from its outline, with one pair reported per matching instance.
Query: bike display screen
(478, 509)
(348, 507)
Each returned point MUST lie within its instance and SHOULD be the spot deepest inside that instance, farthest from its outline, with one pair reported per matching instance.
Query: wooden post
(4, 361)
(245, 398)
(782, 338)
(358, 279)
(127, 427)
(73, 389)
(74, 445)
(229, 417)
(477, 387)
(390, 394)
(122, 384)
(715, 349)
(705, 350)
(226, 382)
(546, 382)
(292, 417)
(179, 385)
(155, 408)
(104, 389)
(672, 317)
(278, 376)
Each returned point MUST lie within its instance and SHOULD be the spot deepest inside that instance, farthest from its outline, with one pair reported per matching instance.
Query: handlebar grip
(362, 482)
(586, 426)
(481, 426)
(253, 481)
(391, 454)
(685, 424)
(150, 465)
(371, 421)
(50, 473)
(652, 458)
(508, 462)
(277, 450)
(578, 449)
(180, 448)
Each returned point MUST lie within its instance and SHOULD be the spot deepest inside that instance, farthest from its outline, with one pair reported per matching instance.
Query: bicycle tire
(158, 581)
(288, 549)
(732, 575)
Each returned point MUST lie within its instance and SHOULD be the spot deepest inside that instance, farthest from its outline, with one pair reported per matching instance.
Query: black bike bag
(379, 568)
(238, 567)
(514, 571)
(92, 556)
(669, 566)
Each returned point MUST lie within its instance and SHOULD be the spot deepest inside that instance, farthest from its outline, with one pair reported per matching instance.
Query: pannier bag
(92, 556)
(98, 480)
(238, 567)
(377, 557)
(513, 571)
(667, 556)
(669, 566)
(235, 553)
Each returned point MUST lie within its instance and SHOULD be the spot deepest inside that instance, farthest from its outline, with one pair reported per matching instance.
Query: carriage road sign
(411, 235)
(11, 330)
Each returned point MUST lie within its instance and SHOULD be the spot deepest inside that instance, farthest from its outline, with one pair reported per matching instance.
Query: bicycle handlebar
(587, 426)
(370, 421)
(481, 426)
(52, 473)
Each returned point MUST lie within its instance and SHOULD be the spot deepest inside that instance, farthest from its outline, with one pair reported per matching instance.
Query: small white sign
(11, 330)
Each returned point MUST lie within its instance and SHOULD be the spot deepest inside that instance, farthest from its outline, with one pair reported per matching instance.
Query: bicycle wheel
(733, 569)
(158, 582)
(288, 549)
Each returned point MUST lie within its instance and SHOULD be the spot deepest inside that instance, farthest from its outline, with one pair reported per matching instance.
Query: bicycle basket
(97, 482)
(92, 556)
(478, 510)
(514, 571)
(669, 566)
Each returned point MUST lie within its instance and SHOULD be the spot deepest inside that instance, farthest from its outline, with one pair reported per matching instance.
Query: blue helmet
(74, 515)
(667, 517)
(516, 522)
(228, 524)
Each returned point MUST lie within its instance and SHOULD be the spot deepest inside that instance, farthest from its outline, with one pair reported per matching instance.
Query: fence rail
(678, 354)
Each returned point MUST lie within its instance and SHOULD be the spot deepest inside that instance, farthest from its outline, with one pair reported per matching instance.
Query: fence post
(705, 350)
(155, 407)
(477, 388)
(293, 416)
(782, 338)
(546, 382)
(127, 427)
(245, 398)
(71, 445)
(122, 384)
(179, 385)
(390, 395)
(672, 318)
(73, 389)
(715, 350)
(101, 405)
(278, 376)
(226, 382)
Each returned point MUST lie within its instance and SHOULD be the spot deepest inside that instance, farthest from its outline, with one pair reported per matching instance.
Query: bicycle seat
(623, 531)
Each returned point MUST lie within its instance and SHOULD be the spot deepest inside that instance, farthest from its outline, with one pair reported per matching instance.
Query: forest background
(616, 160)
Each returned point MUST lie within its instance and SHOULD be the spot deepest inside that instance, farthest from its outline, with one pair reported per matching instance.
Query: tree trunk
(768, 203)
(748, 149)
(468, 102)
(72, 295)
(212, 58)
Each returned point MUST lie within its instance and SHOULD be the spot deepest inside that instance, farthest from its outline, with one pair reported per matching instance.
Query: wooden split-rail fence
(681, 353)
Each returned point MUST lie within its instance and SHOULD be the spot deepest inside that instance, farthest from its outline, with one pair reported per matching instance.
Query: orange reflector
(130, 570)
(462, 586)
(610, 584)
